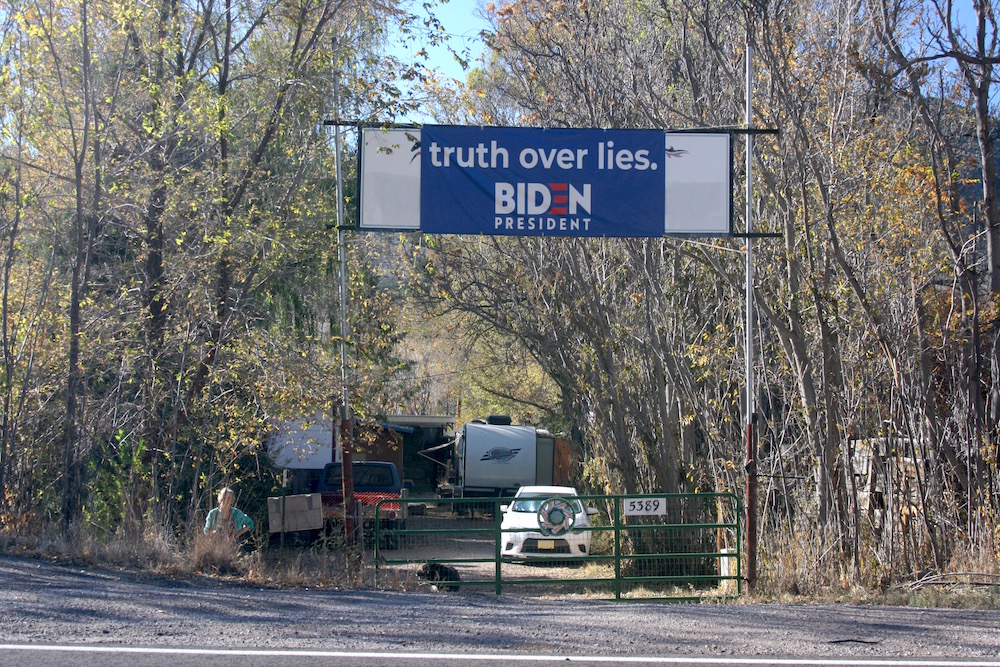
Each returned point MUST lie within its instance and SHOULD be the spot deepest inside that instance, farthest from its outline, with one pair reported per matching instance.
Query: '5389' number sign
(645, 506)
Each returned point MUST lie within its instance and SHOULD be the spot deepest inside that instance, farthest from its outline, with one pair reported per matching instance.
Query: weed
(215, 553)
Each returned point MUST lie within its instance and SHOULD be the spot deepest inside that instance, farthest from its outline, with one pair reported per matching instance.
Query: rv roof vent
(499, 420)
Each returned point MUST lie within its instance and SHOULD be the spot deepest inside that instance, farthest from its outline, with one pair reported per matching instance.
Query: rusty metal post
(347, 476)
(751, 505)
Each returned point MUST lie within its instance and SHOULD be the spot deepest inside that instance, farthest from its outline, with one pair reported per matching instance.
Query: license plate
(547, 544)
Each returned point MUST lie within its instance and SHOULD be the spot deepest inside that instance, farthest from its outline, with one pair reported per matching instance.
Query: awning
(426, 453)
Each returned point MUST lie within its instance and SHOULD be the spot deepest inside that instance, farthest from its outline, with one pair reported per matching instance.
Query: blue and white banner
(555, 182)
(541, 182)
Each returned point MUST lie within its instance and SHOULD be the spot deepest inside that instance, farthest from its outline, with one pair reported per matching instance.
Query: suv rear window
(533, 503)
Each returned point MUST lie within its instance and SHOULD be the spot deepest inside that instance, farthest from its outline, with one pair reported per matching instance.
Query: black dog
(437, 573)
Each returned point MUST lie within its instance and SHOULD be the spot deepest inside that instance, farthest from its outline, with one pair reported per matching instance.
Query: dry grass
(153, 552)
(215, 553)
(148, 551)
(813, 568)
(971, 580)
(315, 567)
(805, 568)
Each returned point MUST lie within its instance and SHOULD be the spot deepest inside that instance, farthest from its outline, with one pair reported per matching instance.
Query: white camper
(494, 460)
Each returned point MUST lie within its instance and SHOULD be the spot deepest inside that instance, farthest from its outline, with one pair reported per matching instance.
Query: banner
(541, 182)
(552, 182)
(389, 188)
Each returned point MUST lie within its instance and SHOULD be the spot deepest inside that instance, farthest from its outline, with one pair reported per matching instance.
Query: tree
(854, 300)
(196, 262)
(932, 52)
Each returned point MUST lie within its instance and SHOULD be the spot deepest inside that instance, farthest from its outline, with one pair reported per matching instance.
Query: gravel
(47, 603)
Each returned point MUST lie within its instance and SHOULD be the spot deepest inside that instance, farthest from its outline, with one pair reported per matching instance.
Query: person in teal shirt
(227, 519)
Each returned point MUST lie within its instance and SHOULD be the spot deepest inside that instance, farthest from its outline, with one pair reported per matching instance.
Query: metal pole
(347, 469)
(341, 251)
(751, 445)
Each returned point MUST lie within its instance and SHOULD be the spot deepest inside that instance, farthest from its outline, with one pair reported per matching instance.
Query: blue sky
(462, 21)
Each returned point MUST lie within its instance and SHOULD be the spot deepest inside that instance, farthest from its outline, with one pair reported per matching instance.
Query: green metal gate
(638, 547)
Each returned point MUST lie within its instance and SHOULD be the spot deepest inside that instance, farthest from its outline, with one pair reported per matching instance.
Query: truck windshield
(363, 475)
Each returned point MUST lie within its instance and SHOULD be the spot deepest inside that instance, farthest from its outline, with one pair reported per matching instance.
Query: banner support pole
(342, 417)
(751, 444)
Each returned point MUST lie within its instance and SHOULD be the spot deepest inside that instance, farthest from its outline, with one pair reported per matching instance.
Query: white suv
(545, 522)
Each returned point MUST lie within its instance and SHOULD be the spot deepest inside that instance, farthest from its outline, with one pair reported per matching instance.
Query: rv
(495, 459)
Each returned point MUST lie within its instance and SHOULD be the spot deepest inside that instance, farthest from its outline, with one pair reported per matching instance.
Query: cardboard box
(302, 512)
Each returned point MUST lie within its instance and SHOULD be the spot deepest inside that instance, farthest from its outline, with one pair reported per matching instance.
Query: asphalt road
(120, 618)
(88, 656)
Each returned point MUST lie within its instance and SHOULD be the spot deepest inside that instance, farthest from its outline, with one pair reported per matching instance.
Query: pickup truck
(373, 481)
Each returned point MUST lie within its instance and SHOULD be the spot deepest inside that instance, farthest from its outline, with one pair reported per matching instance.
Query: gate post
(497, 543)
(618, 547)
